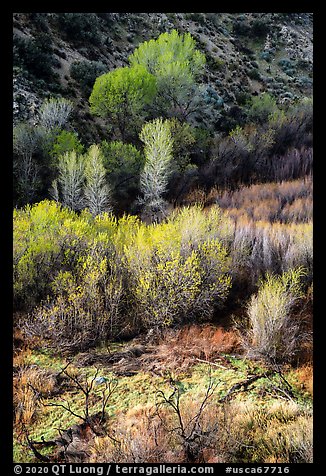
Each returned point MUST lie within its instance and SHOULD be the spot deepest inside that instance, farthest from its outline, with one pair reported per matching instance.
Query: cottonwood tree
(156, 136)
(68, 187)
(97, 192)
(121, 96)
(177, 66)
(54, 113)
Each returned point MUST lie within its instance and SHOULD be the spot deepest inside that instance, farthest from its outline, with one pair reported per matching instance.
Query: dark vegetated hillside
(63, 53)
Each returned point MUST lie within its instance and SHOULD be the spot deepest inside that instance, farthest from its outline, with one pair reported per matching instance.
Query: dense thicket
(93, 278)
(96, 278)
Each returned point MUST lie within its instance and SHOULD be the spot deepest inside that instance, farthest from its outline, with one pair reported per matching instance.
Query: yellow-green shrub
(179, 269)
(91, 278)
(37, 250)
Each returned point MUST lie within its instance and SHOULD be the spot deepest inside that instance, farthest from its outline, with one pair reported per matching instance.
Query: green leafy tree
(183, 135)
(121, 96)
(66, 141)
(261, 107)
(97, 191)
(177, 65)
(156, 136)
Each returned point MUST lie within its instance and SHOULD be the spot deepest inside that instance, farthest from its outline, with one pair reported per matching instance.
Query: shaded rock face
(25, 102)
(246, 54)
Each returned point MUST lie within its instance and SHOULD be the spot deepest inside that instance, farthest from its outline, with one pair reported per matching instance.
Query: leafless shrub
(189, 429)
(54, 113)
(26, 170)
(289, 201)
(293, 164)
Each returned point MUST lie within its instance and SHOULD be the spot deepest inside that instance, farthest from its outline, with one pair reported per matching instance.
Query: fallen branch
(44, 443)
(212, 363)
(36, 453)
(244, 384)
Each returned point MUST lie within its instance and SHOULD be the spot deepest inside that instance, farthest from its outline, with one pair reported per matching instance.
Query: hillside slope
(61, 54)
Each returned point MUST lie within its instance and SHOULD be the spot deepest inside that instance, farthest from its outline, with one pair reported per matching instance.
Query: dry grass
(27, 383)
(279, 433)
(140, 438)
(304, 375)
(179, 349)
(20, 358)
(240, 431)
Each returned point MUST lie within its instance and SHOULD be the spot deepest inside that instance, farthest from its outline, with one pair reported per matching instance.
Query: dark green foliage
(212, 97)
(214, 63)
(35, 56)
(304, 82)
(65, 141)
(40, 20)
(267, 55)
(81, 27)
(303, 64)
(242, 98)
(254, 74)
(261, 107)
(259, 28)
(241, 28)
(197, 17)
(288, 66)
(85, 74)
(123, 163)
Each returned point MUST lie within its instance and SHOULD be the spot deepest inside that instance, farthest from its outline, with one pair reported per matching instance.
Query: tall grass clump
(274, 330)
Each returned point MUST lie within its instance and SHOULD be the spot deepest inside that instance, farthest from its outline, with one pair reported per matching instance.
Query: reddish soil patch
(175, 349)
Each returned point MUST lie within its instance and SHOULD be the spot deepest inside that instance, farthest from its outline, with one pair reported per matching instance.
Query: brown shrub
(27, 383)
(179, 348)
(235, 432)
(20, 358)
(139, 437)
(305, 378)
(289, 201)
